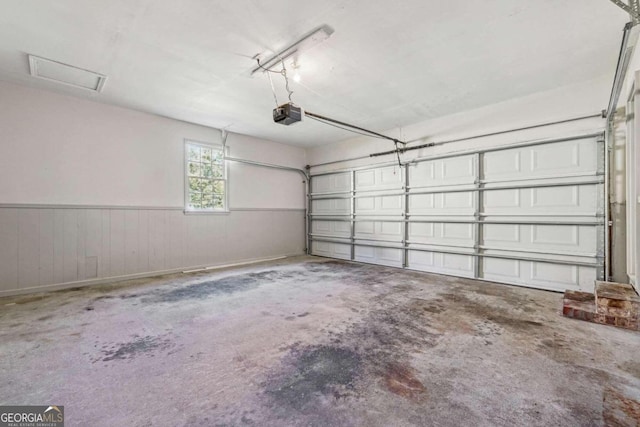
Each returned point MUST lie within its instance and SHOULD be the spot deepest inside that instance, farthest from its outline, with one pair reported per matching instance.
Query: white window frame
(225, 177)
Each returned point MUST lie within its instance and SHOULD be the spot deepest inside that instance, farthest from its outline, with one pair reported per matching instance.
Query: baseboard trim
(140, 208)
(115, 279)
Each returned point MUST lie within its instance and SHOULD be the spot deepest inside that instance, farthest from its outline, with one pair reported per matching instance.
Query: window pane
(194, 185)
(195, 198)
(194, 153)
(194, 169)
(218, 203)
(218, 188)
(203, 184)
(207, 201)
(217, 172)
(207, 170)
(208, 188)
(206, 155)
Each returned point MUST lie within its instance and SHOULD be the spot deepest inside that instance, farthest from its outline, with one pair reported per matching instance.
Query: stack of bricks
(615, 304)
(579, 305)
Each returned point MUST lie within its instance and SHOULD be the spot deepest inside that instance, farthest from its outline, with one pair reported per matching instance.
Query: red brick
(582, 306)
(617, 299)
(579, 305)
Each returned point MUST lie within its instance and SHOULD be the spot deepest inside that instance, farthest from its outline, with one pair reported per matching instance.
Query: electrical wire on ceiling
(283, 73)
(273, 89)
(286, 80)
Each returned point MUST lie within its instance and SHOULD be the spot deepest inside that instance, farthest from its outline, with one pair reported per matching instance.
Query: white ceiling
(388, 64)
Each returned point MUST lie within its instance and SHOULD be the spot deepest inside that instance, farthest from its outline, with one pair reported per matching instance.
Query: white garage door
(529, 214)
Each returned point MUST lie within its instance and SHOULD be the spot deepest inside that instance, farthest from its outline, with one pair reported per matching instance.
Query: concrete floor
(314, 342)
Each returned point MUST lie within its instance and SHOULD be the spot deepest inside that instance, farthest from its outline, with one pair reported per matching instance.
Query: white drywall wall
(251, 187)
(123, 173)
(562, 103)
(58, 149)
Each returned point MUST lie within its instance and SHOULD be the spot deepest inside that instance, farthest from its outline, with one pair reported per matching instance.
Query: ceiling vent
(66, 74)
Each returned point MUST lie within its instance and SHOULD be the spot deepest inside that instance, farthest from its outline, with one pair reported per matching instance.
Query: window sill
(195, 212)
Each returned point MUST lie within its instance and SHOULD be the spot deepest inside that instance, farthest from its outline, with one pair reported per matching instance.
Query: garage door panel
(331, 183)
(497, 201)
(459, 203)
(321, 226)
(548, 255)
(331, 228)
(578, 239)
(442, 233)
(560, 158)
(554, 197)
(420, 231)
(443, 172)
(435, 262)
(378, 230)
(458, 231)
(562, 200)
(459, 167)
(564, 235)
(387, 178)
(501, 269)
(561, 277)
(422, 174)
(573, 238)
(331, 249)
(502, 164)
(547, 160)
(502, 234)
(379, 205)
(422, 203)
(568, 157)
(581, 199)
(531, 215)
(382, 256)
(556, 277)
(331, 206)
(460, 200)
(554, 273)
(455, 262)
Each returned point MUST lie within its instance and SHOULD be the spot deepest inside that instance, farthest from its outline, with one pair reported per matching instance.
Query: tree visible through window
(206, 177)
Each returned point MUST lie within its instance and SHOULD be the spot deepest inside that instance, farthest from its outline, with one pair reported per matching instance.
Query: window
(206, 177)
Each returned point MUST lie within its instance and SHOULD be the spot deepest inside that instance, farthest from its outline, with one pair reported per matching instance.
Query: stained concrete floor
(314, 342)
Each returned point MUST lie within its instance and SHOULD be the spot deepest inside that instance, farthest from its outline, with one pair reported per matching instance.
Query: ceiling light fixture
(306, 42)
